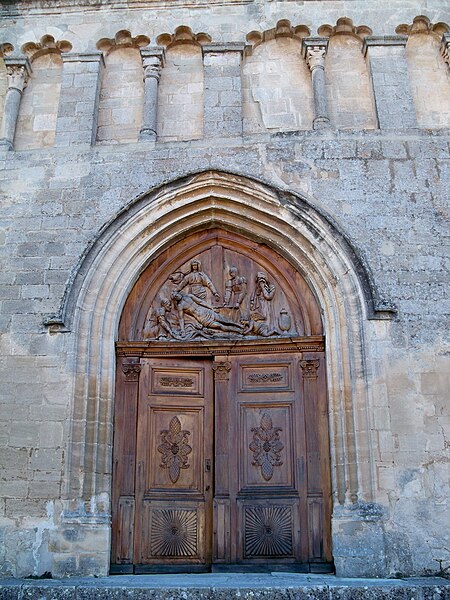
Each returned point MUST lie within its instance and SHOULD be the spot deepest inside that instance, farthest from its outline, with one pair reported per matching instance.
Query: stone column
(18, 70)
(388, 68)
(222, 92)
(76, 122)
(445, 48)
(152, 60)
(314, 51)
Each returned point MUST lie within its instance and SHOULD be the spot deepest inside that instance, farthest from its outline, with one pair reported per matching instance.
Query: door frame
(129, 355)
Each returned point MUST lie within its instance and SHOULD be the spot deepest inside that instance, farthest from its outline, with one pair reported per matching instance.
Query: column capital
(152, 61)
(18, 70)
(445, 48)
(314, 50)
(383, 40)
(221, 370)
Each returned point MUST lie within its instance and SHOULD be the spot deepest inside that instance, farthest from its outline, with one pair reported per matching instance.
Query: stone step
(229, 586)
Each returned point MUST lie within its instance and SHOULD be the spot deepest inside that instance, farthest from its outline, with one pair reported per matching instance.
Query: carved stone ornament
(315, 57)
(174, 449)
(152, 67)
(189, 306)
(17, 77)
(131, 371)
(309, 368)
(221, 370)
(266, 446)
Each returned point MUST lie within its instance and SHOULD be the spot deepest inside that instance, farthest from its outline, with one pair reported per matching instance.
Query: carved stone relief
(189, 305)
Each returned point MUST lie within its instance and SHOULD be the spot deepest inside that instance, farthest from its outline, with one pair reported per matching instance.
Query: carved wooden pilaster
(18, 71)
(314, 51)
(222, 371)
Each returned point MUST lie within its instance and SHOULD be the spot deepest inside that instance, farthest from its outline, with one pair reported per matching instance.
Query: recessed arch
(126, 246)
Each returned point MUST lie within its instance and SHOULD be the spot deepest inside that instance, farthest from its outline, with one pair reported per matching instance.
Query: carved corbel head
(122, 39)
(283, 28)
(182, 35)
(47, 45)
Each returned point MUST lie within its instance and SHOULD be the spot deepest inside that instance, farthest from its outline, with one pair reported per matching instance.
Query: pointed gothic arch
(303, 236)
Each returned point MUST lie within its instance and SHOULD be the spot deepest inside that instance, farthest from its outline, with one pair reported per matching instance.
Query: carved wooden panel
(267, 446)
(175, 449)
(174, 454)
(174, 532)
(268, 531)
(177, 382)
(264, 378)
(125, 527)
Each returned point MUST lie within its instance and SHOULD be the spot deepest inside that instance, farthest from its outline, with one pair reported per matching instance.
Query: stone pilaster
(445, 48)
(222, 95)
(18, 71)
(388, 67)
(152, 61)
(78, 104)
(314, 52)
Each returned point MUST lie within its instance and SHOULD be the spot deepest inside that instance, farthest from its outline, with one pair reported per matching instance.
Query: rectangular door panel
(266, 452)
(174, 459)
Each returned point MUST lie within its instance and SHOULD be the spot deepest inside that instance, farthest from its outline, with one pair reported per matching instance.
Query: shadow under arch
(126, 245)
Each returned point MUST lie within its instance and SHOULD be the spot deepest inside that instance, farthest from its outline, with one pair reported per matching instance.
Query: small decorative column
(445, 48)
(314, 51)
(76, 122)
(18, 71)
(388, 66)
(153, 60)
(221, 541)
(222, 96)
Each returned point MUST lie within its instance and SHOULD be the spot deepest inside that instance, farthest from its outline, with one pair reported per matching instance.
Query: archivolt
(286, 223)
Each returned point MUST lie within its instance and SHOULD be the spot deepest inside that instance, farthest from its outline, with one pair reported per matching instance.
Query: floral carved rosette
(174, 449)
(266, 446)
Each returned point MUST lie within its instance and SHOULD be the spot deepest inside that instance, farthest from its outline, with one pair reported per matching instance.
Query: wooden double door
(222, 463)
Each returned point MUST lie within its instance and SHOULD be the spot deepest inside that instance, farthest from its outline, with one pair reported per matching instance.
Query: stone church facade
(224, 286)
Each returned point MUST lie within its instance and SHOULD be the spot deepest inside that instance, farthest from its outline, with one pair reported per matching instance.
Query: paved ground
(211, 586)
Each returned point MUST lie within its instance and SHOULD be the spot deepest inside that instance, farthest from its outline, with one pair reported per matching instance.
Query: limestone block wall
(36, 124)
(121, 97)
(377, 175)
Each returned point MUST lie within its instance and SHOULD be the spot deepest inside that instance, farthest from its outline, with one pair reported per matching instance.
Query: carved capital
(131, 371)
(17, 77)
(315, 57)
(221, 370)
(152, 67)
(309, 368)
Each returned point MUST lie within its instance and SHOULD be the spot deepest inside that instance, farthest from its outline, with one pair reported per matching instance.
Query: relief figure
(196, 281)
(203, 313)
(261, 297)
(235, 289)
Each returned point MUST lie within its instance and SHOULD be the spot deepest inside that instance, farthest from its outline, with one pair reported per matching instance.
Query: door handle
(208, 465)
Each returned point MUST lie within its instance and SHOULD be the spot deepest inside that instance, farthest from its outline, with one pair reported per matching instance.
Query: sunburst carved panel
(174, 533)
(267, 531)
